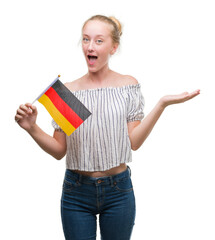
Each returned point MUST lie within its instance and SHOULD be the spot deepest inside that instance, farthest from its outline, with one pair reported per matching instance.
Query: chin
(92, 70)
(96, 68)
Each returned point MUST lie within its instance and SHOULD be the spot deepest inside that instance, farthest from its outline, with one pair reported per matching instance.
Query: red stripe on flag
(63, 108)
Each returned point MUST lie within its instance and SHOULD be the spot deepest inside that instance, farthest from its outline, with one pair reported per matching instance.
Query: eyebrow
(99, 35)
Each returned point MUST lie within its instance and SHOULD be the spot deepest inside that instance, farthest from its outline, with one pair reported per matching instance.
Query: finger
(21, 112)
(194, 94)
(18, 118)
(29, 105)
(20, 115)
(32, 107)
(197, 92)
(25, 108)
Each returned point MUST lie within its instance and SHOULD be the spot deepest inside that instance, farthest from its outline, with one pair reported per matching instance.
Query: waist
(97, 174)
(98, 180)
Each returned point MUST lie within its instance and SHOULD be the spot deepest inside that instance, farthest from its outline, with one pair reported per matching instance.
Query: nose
(91, 46)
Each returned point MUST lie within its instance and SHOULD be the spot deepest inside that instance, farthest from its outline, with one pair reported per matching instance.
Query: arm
(26, 118)
(139, 131)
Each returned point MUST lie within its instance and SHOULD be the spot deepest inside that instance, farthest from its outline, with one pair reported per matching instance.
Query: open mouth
(92, 59)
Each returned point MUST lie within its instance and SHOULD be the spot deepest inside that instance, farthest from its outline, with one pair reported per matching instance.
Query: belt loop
(129, 170)
(80, 178)
(111, 181)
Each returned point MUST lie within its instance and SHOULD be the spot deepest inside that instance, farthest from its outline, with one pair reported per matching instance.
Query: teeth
(92, 57)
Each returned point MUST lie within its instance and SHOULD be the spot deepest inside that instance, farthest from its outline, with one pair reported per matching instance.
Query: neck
(99, 77)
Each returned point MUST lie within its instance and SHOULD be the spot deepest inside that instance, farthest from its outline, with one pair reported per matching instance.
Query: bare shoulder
(125, 80)
(129, 80)
(74, 85)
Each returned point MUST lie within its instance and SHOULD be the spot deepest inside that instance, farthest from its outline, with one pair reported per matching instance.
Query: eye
(99, 41)
(85, 39)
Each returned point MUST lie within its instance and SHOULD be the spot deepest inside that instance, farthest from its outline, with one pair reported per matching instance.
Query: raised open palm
(179, 98)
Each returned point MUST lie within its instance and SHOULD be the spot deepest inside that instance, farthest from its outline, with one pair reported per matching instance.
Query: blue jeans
(84, 197)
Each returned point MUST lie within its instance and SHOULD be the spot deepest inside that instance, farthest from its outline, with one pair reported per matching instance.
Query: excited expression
(97, 44)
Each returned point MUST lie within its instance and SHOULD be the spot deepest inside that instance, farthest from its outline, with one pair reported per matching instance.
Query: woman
(97, 179)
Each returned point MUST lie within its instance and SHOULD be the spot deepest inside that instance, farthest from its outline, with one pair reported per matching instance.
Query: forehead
(96, 27)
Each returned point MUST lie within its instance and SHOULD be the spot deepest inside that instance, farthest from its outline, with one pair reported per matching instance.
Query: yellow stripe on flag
(66, 126)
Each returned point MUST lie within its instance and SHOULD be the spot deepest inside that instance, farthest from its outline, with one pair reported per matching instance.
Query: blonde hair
(115, 23)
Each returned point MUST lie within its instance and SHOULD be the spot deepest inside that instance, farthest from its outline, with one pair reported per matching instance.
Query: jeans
(111, 197)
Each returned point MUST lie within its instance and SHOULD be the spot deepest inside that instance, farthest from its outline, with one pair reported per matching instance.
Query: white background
(169, 47)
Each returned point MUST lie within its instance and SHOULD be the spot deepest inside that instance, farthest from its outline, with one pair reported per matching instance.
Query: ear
(114, 48)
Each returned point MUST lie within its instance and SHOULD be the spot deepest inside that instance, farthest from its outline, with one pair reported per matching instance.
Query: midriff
(110, 172)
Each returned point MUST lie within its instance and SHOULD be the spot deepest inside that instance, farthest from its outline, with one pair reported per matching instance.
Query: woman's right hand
(26, 116)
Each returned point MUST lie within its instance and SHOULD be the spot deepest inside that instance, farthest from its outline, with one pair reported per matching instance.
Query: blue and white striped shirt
(102, 141)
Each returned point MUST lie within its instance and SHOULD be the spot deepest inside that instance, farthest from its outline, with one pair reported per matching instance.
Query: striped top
(102, 141)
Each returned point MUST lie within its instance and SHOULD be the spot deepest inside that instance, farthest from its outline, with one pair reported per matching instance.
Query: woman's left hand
(179, 98)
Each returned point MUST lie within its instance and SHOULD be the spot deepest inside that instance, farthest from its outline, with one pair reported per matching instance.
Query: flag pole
(46, 89)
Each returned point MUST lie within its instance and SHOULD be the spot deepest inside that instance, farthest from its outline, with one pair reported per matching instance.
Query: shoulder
(129, 80)
(74, 85)
(125, 79)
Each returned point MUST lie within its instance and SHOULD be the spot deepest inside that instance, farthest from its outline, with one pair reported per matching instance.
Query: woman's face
(97, 44)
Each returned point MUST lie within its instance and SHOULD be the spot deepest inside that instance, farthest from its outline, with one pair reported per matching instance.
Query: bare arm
(139, 131)
(55, 146)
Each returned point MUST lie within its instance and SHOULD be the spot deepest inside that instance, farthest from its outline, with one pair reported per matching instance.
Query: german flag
(67, 111)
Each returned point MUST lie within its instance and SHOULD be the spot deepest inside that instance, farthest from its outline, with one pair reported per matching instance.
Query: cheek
(84, 48)
(105, 53)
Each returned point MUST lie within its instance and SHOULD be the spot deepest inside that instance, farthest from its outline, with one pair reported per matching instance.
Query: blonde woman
(97, 179)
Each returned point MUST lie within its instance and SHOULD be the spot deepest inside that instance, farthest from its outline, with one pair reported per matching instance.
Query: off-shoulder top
(102, 141)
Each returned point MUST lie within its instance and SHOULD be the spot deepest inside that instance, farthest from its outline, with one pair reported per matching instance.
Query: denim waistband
(101, 180)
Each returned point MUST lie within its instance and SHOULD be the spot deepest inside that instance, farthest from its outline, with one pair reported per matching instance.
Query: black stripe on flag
(69, 98)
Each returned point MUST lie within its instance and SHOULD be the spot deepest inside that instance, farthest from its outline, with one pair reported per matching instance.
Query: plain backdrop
(169, 47)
